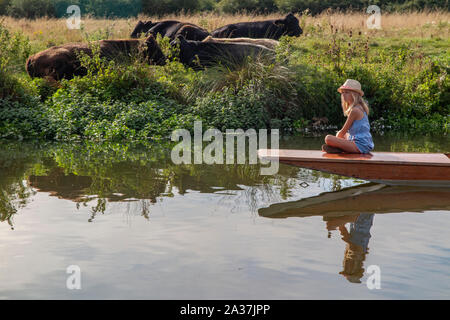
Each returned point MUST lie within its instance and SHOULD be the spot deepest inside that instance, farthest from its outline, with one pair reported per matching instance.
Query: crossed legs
(343, 144)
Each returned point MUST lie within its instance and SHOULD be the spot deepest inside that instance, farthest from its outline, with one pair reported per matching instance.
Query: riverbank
(403, 69)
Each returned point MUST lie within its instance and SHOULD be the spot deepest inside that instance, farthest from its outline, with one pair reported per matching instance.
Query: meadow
(403, 68)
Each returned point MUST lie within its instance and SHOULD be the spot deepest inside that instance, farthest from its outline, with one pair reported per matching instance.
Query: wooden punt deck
(428, 169)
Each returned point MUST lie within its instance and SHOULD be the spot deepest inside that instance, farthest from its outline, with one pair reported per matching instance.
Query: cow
(272, 29)
(170, 29)
(198, 54)
(141, 28)
(268, 43)
(62, 62)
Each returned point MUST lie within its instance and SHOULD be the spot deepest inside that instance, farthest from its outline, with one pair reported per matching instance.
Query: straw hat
(352, 85)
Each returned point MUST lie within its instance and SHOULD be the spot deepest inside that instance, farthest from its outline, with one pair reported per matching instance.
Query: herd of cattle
(198, 47)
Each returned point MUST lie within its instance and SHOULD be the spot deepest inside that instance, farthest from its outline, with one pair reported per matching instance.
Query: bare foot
(328, 149)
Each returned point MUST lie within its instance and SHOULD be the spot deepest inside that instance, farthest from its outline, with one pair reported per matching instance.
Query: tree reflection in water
(14, 192)
(108, 173)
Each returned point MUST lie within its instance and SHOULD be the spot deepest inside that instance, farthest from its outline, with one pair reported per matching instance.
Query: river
(137, 226)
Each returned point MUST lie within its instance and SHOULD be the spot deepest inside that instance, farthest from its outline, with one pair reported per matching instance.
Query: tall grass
(51, 31)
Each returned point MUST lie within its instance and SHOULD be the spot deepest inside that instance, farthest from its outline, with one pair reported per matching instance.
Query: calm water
(139, 226)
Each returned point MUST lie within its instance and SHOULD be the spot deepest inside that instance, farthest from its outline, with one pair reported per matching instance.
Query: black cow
(198, 54)
(272, 29)
(170, 29)
(141, 27)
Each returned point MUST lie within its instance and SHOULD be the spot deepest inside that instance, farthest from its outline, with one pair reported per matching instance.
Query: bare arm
(344, 233)
(355, 114)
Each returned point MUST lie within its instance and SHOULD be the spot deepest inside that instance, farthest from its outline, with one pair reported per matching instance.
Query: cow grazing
(170, 29)
(272, 29)
(198, 54)
(268, 43)
(62, 62)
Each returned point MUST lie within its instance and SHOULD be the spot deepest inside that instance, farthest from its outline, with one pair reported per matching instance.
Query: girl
(354, 137)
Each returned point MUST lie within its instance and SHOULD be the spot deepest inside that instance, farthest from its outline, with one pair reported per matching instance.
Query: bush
(258, 6)
(14, 49)
(31, 8)
(161, 7)
(131, 8)
(100, 8)
(23, 121)
(78, 115)
(114, 102)
(3, 6)
(233, 110)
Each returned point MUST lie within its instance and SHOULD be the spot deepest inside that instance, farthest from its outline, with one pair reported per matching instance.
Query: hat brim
(351, 89)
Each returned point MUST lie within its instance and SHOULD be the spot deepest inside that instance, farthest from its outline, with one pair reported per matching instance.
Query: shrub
(31, 8)
(229, 109)
(23, 121)
(232, 6)
(114, 102)
(14, 49)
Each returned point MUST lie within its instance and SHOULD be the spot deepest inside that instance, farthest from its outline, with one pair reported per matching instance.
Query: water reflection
(366, 198)
(121, 173)
(358, 206)
(357, 242)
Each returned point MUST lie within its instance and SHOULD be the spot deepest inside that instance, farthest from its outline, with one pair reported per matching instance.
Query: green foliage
(114, 102)
(19, 120)
(228, 109)
(161, 7)
(80, 115)
(14, 49)
(131, 8)
(3, 6)
(30, 8)
(316, 7)
(233, 6)
(58, 8)
(406, 83)
(21, 115)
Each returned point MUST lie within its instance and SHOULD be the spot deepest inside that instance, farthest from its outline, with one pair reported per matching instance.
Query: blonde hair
(357, 100)
(353, 263)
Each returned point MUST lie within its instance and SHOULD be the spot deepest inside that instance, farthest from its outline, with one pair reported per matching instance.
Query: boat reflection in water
(357, 206)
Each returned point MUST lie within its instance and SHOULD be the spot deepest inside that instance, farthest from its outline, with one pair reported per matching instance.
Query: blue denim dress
(359, 132)
(360, 230)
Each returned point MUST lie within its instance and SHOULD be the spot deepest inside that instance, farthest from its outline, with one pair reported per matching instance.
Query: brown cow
(62, 62)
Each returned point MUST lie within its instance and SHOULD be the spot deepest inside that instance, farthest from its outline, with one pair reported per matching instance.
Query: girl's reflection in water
(357, 242)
